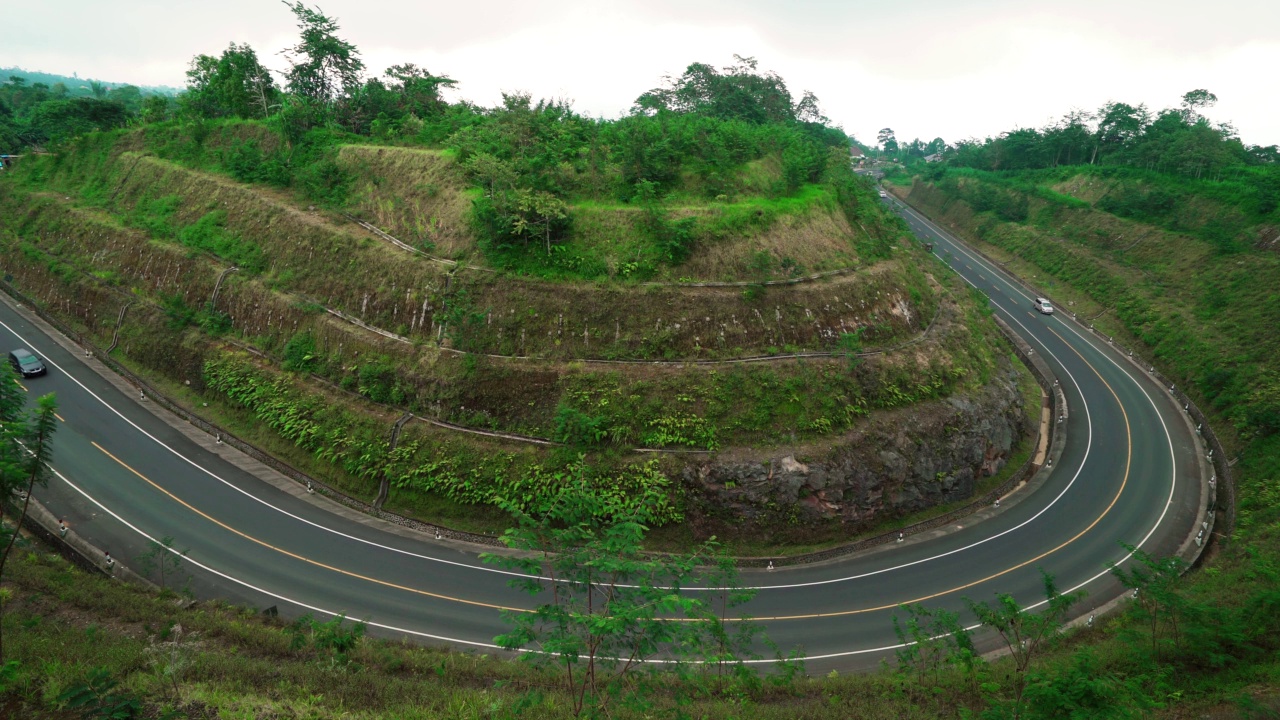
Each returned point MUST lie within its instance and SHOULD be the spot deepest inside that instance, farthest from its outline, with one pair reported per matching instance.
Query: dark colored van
(25, 362)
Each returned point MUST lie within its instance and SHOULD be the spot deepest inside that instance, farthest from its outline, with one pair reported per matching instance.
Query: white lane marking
(513, 574)
(238, 581)
(246, 493)
(695, 589)
(496, 647)
(1083, 462)
(396, 628)
(957, 245)
(1080, 469)
(1088, 340)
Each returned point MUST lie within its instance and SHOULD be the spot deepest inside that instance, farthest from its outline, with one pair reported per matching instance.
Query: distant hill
(78, 85)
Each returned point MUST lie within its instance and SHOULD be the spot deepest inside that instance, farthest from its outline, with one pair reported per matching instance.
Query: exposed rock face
(897, 463)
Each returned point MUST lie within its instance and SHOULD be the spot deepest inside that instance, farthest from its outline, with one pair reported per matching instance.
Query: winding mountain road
(1130, 472)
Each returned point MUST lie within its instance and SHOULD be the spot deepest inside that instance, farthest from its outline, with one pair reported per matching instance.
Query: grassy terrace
(594, 282)
(489, 351)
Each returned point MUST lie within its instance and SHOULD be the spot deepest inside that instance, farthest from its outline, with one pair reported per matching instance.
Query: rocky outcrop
(895, 464)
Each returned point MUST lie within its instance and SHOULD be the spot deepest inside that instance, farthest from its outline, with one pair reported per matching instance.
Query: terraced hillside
(854, 383)
(1187, 268)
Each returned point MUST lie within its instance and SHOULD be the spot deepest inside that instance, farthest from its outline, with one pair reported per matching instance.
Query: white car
(884, 194)
(1044, 306)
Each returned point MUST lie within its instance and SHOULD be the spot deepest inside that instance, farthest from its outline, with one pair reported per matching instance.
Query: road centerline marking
(294, 555)
(1116, 498)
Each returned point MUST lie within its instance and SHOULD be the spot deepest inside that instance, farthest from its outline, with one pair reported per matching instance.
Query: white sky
(926, 68)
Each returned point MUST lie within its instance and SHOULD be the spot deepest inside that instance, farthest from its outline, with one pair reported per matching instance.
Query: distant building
(6, 161)
(936, 157)
(855, 151)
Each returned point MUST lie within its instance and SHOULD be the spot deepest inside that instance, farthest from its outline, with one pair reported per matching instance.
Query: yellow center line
(59, 417)
(841, 613)
(1128, 461)
(24, 387)
(296, 556)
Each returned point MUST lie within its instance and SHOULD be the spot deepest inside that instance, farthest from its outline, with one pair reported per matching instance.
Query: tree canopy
(1178, 140)
(37, 114)
(735, 92)
(233, 85)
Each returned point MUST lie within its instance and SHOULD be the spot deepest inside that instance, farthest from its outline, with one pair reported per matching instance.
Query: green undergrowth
(439, 474)
(619, 241)
(63, 626)
(68, 634)
(1204, 310)
(586, 406)
(787, 539)
(305, 254)
(423, 462)
(160, 234)
(1207, 314)
(423, 197)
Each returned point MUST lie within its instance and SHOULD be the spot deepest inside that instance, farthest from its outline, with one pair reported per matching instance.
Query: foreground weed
(95, 696)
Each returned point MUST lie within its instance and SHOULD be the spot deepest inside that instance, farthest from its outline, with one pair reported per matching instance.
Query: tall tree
(1194, 101)
(887, 141)
(236, 84)
(419, 89)
(59, 120)
(324, 67)
(738, 92)
(807, 110)
(25, 450)
(1119, 124)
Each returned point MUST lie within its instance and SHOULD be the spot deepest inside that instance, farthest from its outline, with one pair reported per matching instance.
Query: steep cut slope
(513, 379)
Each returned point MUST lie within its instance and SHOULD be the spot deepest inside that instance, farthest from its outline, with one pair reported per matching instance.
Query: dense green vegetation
(38, 109)
(1178, 141)
(600, 411)
(1164, 233)
(82, 644)
(782, 163)
(1206, 302)
(712, 154)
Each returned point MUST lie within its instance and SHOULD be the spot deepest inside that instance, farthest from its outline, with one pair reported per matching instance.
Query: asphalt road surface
(1129, 473)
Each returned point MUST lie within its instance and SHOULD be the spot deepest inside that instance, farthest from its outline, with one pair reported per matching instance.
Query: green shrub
(155, 215)
(247, 163)
(578, 429)
(209, 234)
(300, 352)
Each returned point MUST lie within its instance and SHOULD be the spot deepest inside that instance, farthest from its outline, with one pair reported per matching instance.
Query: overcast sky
(926, 68)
